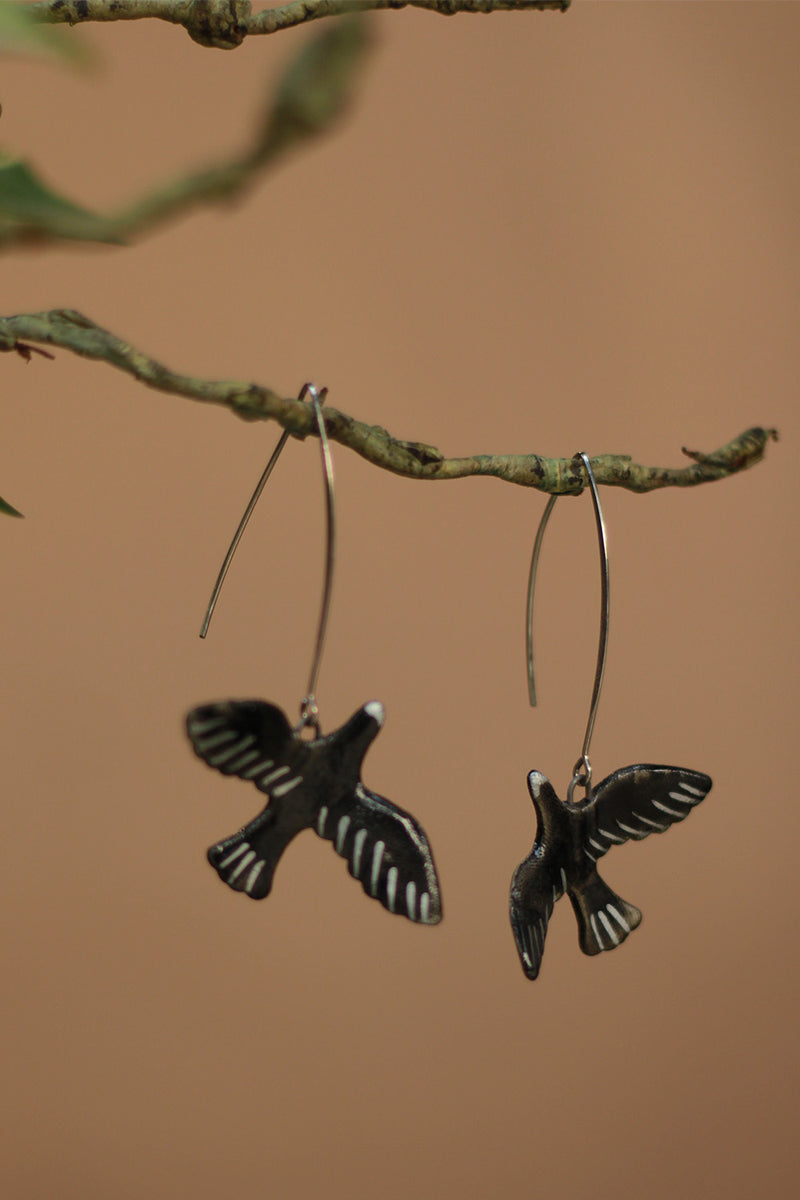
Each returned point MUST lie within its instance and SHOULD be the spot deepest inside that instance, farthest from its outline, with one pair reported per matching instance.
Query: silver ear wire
(309, 712)
(537, 549)
(582, 771)
(248, 512)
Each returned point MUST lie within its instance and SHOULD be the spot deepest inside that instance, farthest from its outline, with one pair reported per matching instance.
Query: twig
(224, 24)
(72, 331)
(314, 91)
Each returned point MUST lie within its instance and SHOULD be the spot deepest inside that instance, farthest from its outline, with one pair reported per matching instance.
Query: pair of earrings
(314, 781)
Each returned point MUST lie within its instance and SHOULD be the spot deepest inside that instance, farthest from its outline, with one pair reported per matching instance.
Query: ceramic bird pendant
(314, 784)
(570, 838)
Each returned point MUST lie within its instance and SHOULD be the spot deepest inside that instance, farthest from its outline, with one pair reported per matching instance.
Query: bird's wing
(637, 801)
(386, 851)
(251, 739)
(538, 882)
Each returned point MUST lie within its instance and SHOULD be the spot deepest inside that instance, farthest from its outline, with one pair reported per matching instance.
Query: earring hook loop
(582, 771)
(309, 712)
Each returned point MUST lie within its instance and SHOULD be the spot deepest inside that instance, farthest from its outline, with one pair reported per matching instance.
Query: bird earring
(571, 837)
(311, 782)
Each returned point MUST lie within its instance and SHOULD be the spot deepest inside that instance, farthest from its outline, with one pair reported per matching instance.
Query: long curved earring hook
(309, 713)
(306, 389)
(582, 771)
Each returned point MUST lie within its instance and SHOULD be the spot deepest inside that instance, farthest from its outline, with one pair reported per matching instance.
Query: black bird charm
(314, 784)
(570, 838)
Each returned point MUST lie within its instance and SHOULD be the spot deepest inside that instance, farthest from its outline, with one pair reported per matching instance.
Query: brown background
(534, 232)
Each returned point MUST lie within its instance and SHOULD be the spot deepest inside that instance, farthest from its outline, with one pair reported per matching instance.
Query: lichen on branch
(70, 330)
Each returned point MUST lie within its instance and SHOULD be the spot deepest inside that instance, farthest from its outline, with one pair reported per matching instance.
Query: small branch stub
(221, 25)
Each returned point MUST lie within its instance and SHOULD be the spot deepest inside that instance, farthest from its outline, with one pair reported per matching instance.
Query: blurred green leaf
(25, 201)
(21, 34)
(5, 507)
(320, 81)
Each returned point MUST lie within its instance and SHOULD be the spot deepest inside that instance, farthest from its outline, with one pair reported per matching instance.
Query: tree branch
(225, 24)
(416, 460)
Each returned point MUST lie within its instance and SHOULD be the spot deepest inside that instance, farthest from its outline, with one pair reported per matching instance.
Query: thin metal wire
(537, 547)
(248, 512)
(582, 771)
(309, 713)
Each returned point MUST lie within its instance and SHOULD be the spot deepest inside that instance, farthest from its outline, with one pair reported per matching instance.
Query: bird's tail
(604, 918)
(246, 861)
